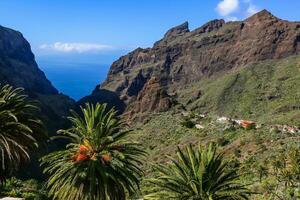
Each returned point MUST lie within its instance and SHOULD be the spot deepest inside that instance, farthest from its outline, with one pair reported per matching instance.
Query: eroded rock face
(17, 64)
(183, 57)
(210, 26)
(173, 34)
(19, 69)
(153, 97)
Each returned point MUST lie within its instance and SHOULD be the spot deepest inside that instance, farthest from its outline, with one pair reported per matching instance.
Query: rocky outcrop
(19, 69)
(210, 26)
(153, 97)
(183, 57)
(173, 33)
(18, 66)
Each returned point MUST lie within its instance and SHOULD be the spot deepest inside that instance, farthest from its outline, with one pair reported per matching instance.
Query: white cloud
(227, 7)
(75, 47)
(252, 9)
(229, 18)
(232, 10)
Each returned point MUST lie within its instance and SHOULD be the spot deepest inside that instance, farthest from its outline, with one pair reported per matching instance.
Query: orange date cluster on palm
(85, 154)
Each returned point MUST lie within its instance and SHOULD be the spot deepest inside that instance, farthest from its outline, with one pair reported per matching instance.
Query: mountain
(200, 86)
(194, 87)
(19, 69)
(182, 67)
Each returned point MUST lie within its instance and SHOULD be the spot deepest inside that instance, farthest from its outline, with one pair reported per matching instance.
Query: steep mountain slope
(248, 70)
(184, 57)
(18, 66)
(19, 69)
(266, 91)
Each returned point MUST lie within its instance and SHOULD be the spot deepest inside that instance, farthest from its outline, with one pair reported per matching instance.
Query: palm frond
(201, 174)
(20, 129)
(100, 163)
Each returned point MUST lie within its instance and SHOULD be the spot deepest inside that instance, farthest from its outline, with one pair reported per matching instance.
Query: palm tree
(197, 174)
(100, 163)
(20, 129)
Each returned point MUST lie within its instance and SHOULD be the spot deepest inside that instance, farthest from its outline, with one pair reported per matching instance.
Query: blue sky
(102, 30)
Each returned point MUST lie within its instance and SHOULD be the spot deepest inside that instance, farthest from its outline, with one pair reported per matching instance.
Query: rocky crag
(19, 69)
(149, 79)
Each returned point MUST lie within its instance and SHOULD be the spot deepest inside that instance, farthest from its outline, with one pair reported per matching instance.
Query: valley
(232, 84)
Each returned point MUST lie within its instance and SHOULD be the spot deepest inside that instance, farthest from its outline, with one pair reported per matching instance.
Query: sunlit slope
(268, 91)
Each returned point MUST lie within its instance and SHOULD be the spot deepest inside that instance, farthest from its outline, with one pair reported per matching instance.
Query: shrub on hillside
(188, 123)
(29, 189)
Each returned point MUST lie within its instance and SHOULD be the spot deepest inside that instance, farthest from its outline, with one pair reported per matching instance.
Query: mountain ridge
(19, 69)
(183, 57)
(15, 50)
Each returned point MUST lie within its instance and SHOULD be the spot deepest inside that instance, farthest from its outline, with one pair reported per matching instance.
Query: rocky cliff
(183, 57)
(18, 66)
(19, 69)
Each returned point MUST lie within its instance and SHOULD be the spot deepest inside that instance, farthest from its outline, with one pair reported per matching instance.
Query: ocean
(74, 79)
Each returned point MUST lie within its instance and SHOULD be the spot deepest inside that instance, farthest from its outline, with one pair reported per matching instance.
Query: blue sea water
(74, 79)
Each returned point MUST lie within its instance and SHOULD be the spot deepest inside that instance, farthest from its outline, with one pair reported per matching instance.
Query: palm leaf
(111, 168)
(198, 174)
(20, 129)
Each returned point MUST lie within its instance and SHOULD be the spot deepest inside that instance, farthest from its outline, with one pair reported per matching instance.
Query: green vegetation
(99, 163)
(20, 130)
(253, 153)
(102, 162)
(29, 190)
(198, 174)
(267, 91)
(187, 123)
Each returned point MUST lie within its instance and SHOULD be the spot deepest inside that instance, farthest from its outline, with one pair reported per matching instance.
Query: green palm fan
(100, 162)
(197, 174)
(20, 129)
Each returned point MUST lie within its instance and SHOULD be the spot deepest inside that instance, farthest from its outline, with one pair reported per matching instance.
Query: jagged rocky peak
(210, 26)
(262, 16)
(174, 33)
(182, 57)
(129, 60)
(178, 30)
